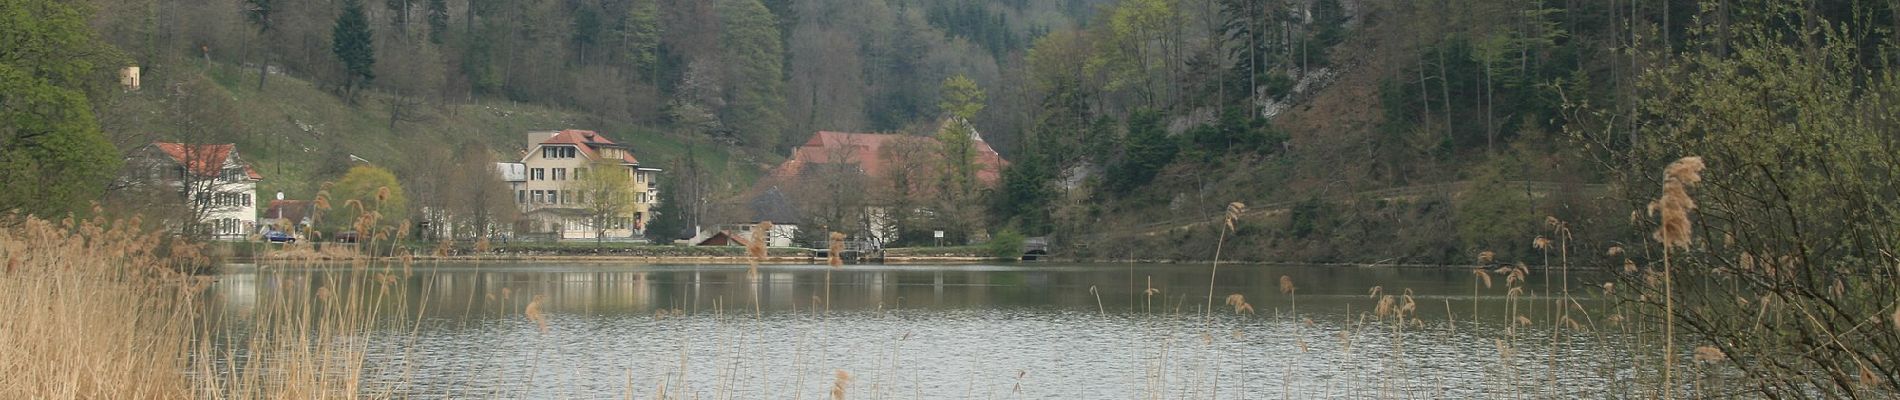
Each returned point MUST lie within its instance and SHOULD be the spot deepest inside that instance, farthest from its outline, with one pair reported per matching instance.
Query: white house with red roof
(216, 186)
(554, 161)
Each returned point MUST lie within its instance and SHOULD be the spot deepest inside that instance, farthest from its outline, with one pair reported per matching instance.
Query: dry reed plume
(755, 248)
(1239, 302)
(1709, 354)
(1234, 210)
(1674, 231)
(835, 255)
(1675, 204)
(839, 384)
(533, 312)
(93, 310)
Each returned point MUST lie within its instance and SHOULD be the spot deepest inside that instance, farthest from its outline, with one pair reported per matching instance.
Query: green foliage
(640, 30)
(1007, 244)
(1796, 209)
(957, 146)
(961, 97)
(753, 54)
(360, 188)
(605, 190)
(438, 17)
(1027, 197)
(1234, 133)
(971, 20)
(1493, 216)
(1308, 218)
(53, 158)
(1149, 149)
(1329, 23)
(351, 42)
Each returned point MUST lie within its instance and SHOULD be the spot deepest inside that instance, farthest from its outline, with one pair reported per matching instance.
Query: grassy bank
(295, 132)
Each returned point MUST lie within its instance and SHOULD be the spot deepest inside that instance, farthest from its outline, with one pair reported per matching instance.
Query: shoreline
(795, 260)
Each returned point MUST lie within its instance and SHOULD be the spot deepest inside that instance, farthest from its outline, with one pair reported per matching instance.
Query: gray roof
(773, 205)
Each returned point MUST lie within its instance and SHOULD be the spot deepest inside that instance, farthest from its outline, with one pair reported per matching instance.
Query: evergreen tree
(1149, 149)
(438, 20)
(1026, 197)
(961, 97)
(640, 34)
(753, 56)
(352, 44)
(262, 14)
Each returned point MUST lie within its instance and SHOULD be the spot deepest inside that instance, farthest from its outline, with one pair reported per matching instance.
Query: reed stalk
(1233, 213)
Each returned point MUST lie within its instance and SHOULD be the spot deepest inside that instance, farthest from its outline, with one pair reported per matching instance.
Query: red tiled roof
(587, 141)
(205, 159)
(865, 150)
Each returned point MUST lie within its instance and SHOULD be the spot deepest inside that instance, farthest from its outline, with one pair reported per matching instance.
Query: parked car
(279, 237)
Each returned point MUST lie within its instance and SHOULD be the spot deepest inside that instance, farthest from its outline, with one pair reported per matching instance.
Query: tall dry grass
(100, 309)
(93, 310)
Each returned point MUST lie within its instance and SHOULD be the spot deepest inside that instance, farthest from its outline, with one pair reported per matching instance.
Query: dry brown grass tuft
(1709, 354)
(1239, 303)
(1541, 243)
(1483, 276)
(1614, 251)
(836, 257)
(92, 310)
(839, 384)
(533, 312)
(1234, 210)
(1486, 257)
(1896, 319)
(755, 248)
(1286, 285)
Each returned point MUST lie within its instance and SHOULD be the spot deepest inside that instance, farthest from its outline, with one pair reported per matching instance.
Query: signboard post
(939, 235)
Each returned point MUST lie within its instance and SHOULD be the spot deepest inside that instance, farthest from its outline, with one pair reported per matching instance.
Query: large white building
(554, 162)
(217, 187)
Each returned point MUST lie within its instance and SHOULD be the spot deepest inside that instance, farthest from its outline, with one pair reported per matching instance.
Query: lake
(960, 331)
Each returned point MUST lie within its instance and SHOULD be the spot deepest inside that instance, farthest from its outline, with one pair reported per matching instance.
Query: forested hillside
(1360, 131)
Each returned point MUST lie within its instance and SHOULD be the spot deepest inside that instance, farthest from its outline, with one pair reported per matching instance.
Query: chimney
(536, 137)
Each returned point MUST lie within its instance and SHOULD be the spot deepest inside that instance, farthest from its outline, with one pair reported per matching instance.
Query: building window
(560, 174)
(557, 152)
(538, 174)
(247, 199)
(521, 196)
(538, 197)
(580, 173)
(640, 177)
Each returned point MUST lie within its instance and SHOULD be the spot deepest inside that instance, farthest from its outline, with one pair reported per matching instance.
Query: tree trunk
(1444, 93)
(263, 67)
(1424, 92)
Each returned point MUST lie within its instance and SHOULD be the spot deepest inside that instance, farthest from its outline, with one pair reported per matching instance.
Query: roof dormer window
(552, 152)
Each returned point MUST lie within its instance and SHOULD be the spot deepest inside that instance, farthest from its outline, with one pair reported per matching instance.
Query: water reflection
(1052, 331)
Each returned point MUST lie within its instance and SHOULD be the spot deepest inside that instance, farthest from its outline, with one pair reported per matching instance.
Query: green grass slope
(294, 130)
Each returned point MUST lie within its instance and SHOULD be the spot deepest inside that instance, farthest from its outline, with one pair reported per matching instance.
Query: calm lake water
(957, 331)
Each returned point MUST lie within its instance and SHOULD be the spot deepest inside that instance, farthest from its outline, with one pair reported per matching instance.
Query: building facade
(217, 188)
(548, 194)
